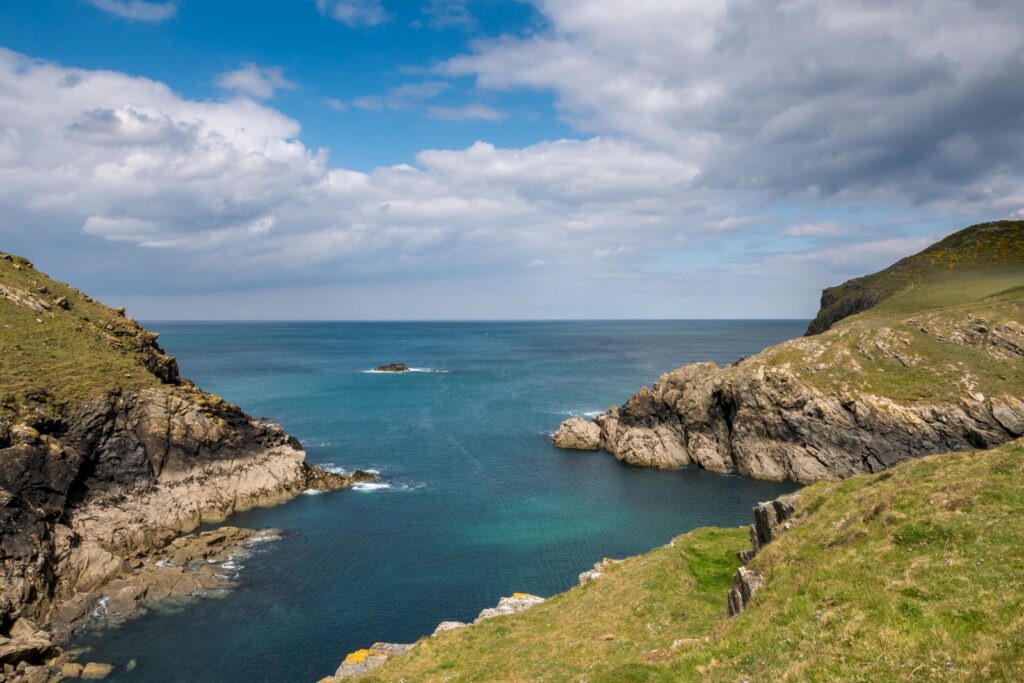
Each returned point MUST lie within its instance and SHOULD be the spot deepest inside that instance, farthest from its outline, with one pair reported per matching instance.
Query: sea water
(474, 502)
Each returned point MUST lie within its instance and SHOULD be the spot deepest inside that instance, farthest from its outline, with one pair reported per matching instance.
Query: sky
(487, 159)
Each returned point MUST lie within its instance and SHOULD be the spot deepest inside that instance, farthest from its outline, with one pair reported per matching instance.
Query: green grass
(913, 574)
(70, 356)
(976, 274)
(984, 249)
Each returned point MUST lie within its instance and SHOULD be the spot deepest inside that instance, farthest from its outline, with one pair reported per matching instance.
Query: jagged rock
(392, 367)
(767, 424)
(745, 585)
(88, 489)
(770, 519)
(578, 433)
(62, 302)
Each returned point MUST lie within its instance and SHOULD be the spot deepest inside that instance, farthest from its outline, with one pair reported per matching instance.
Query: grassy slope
(977, 272)
(912, 574)
(985, 246)
(72, 354)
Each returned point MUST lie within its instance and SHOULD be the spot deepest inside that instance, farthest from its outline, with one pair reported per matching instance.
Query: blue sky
(489, 159)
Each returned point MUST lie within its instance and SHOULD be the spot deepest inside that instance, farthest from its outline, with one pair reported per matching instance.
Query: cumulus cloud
(354, 13)
(261, 82)
(138, 10)
(128, 160)
(850, 100)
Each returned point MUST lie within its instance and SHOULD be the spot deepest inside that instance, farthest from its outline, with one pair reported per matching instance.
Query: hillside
(911, 574)
(107, 457)
(935, 364)
(990, 251)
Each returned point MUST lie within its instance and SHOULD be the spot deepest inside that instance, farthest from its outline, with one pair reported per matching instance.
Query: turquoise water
(480, 504)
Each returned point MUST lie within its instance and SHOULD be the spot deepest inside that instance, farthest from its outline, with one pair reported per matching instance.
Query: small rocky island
(109, 460)
(392, 367)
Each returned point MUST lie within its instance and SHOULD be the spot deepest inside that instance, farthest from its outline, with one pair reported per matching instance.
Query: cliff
(106, 454)
(924, 357)
(910, 574)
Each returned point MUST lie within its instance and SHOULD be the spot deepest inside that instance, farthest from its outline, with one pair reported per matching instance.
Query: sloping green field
(913, 574)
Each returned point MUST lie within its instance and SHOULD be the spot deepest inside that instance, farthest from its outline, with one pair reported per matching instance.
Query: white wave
(312, 492)
(101, 608)
(377, 472)
(331, 467)
(370, 486)
(232, 566)
(432, 371)
(590, 414)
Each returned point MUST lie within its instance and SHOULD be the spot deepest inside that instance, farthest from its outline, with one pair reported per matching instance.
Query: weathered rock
(764, 422)
(448, 626)
(71, 670)
(770, 519)
(745, 585)
(598, 570)
(96, 670)
(87, 493)
(363, 661)
(392, 367)
(518, 602)
(577, 433)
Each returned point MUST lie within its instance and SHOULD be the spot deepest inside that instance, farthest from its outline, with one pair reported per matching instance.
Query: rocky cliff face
(937, 367)
(86, 484)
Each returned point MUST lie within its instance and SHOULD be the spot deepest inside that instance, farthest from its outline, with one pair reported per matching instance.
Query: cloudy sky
(380, 159)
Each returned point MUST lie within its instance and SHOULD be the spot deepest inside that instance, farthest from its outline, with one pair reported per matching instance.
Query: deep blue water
(480, 505)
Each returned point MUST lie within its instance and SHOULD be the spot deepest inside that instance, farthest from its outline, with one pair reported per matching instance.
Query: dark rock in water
(392, 367)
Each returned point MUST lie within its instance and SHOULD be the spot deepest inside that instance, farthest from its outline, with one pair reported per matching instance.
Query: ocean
(474, 502)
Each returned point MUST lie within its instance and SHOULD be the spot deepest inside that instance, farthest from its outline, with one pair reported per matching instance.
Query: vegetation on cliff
(982, 253)
(935, 364)
(910, 574)
(106, 455)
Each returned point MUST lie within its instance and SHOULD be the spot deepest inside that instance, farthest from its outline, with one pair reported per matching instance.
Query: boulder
(95, 671)
(578, 434)
(745, 585)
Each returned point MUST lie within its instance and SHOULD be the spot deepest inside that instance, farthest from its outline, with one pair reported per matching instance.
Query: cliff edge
(924, 357)
(107, 453)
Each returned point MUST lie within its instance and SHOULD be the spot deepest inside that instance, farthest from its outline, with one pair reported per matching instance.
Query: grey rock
(745, 585)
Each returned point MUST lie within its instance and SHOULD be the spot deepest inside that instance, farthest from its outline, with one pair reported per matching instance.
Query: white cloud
(128, 160)
(403, 97)
(850, 100)
(354, 12)
(816, 229)
(336, 104)
(261, 82)
(138, 10)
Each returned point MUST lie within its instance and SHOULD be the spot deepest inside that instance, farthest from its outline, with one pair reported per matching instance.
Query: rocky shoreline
(907, 362)
(99, 494)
